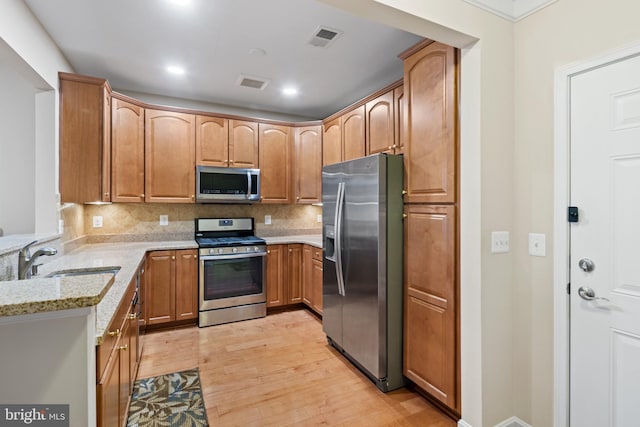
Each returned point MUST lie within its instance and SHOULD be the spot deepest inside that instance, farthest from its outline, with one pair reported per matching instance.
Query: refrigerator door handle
(338, 237)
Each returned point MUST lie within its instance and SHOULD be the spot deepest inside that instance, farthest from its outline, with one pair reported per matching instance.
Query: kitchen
(79, 175)
(507, 146)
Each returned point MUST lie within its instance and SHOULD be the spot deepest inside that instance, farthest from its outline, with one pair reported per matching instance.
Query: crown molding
(513, 10)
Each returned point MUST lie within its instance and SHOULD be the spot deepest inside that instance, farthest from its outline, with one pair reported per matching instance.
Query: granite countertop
(42, 294)
(308, 239)
(106, 291)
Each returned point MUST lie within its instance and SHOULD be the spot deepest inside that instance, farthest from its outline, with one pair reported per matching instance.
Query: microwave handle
(248, 184)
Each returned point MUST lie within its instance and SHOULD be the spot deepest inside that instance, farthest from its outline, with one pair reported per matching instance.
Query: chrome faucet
(26, 260)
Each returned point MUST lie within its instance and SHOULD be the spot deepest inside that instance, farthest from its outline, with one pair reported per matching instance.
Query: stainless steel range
(232, 271)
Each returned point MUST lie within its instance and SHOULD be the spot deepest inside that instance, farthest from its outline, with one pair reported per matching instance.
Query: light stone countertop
(50, 294)
(308, 239)
(42, 294)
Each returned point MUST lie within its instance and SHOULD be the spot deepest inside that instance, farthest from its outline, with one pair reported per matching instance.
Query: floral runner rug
(172, 400)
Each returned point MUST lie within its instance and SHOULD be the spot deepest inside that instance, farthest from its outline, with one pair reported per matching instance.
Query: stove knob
(212, 251)
(248, 249)
(234, 250)
(255, 249)
(220, 251)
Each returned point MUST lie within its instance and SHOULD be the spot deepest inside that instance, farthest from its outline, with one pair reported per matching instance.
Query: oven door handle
(232, 256)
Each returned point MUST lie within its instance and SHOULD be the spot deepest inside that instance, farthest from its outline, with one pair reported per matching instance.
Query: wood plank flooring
(280, 371)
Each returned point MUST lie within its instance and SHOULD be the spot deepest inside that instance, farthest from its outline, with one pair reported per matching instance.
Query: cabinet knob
(389, 148)
(173, 257)
(193, 197)
(106, 194)
(268, 252)
(115, 333)
(124, 347)
(142, 196)
(298, 198)
(290, 250)
(395, 146)
(230, 161)
(195, 256)
(404, 215)
(225, 161)
(133, 316)
(404, 192)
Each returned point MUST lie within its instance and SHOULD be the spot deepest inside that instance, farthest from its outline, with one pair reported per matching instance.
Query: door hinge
(569, 288)
(572, 214)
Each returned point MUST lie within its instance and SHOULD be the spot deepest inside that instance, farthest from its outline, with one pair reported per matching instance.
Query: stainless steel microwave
(227, 185)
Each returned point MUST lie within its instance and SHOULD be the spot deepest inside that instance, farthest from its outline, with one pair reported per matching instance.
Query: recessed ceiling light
(178, 71)
(290, 91)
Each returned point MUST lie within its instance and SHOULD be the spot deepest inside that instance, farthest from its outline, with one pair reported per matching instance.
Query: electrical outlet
(499, 242)
(319, 218)
(97, 221)
(267, 220)
(164, 219)
(537, 244)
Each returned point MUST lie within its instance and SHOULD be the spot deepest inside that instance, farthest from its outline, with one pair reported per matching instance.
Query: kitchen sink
(84, 271)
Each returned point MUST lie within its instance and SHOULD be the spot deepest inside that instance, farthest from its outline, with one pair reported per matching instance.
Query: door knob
(586, 265)
(589, 294)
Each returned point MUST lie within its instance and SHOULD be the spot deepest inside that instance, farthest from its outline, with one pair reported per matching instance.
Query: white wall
(28, 51)
(561, 34)
(17, 153)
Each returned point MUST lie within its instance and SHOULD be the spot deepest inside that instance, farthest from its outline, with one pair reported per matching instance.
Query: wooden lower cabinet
(117, 364)
(312, 278)
(431, 317)
(284, 274)
(171, 286)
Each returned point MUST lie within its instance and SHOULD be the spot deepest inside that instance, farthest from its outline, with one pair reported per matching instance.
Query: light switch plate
(319, 218)
(164, 219)
(537, 244)
(499, 242)
(97, 221)
(267, 219)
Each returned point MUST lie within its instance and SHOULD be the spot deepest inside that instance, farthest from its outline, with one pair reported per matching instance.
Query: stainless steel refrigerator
(362, 264)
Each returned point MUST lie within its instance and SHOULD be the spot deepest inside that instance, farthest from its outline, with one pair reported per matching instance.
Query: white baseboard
(512, 422)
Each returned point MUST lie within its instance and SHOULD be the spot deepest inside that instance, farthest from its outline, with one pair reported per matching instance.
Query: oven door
(232, 280)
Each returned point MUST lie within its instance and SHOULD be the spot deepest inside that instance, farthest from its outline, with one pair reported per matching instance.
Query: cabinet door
(307, 269)
(108, 392)
(430, 327)
(85, 152)
(212, 141)
(186, 284)
(127, 152)
(380, 128)
(275, 163)
(169, 157)
(399, 120)
(353, 132)
(316, 286)
(308, 164)
(160, 287)
(243, 144)
(332, 142)
(430, 92)
(275, 275)
(125, 371)
(294, 274)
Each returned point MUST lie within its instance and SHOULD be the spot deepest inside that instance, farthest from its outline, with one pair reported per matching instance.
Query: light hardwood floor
(279, 371)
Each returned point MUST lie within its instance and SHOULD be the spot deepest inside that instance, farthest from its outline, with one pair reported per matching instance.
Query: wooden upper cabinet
(212, 141)
(308, 164)
(85, 139)
(430, 328)
(353, 134)
(332, 142)
(399, 119)
(380, 124)
(169, 157)
(430, 92)
(243, 144)
(275, 148)
(127, 152)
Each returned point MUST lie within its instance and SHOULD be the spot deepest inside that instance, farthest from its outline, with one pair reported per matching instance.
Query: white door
(605, 291)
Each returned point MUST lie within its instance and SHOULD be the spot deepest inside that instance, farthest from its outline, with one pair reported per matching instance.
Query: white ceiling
(132, 42)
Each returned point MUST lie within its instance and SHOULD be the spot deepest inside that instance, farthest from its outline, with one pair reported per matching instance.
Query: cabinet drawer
(316, 253)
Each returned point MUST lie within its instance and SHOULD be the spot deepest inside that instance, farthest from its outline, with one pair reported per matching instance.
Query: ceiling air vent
(252, 81)
(324, 36)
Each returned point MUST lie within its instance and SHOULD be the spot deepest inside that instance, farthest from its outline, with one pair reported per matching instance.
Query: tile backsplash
(144, 219)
